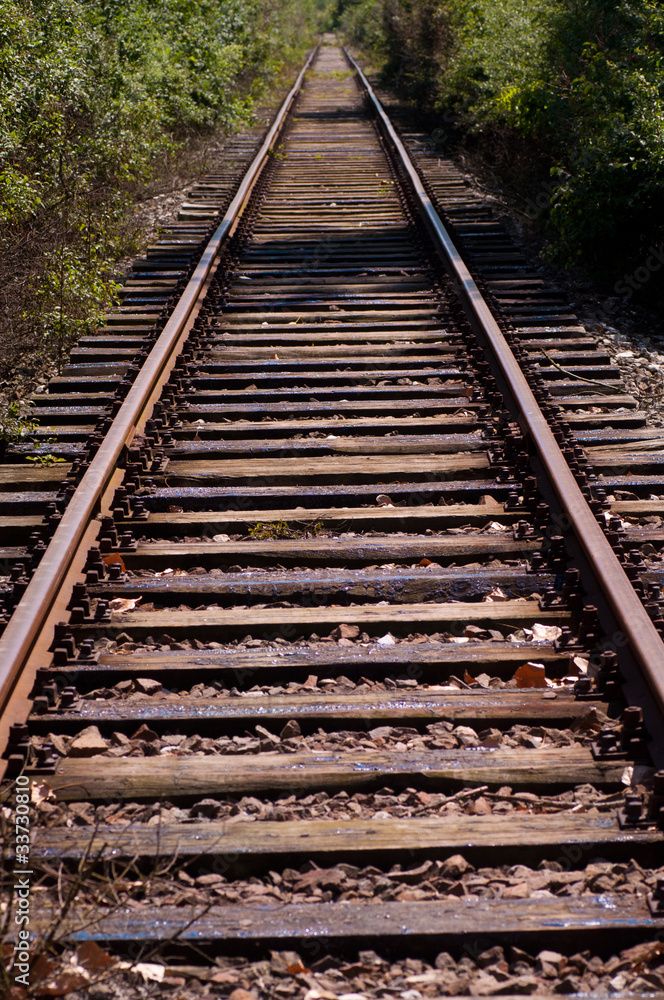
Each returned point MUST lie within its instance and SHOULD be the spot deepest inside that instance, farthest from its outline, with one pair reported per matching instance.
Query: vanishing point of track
(327, 523)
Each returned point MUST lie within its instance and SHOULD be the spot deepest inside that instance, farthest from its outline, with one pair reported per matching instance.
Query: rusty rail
(643, 638)
(33, 609)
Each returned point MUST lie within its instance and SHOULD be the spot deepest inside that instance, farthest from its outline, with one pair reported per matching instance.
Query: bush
(94, 94)
(580, 81)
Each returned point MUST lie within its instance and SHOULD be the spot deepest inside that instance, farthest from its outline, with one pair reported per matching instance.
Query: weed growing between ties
(270, 530)
(70, 898)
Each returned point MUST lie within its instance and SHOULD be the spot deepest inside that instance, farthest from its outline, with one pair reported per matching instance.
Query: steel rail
(643, 638)
(32, 610)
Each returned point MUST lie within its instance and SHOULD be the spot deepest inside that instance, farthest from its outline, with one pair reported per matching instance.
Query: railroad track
(339, 626)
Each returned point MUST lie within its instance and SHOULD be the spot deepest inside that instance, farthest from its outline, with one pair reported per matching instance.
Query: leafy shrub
(93, 95)
(580, 81)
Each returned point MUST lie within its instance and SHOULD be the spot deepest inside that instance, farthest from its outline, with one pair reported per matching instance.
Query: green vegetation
(96, 96)
(270, 530)
(573, 86)
(15, 424)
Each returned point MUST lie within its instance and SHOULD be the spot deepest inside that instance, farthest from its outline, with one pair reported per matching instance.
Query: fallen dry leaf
(149, 971)
(42, 792)
(496, 595)
(42, 967)
(114, 558)
(531, 675)
(383, 500)
(627, 777)
(92, 957)
(296, 968)
(121, 604)
(546, 633)
(578, 665)
(221, 538)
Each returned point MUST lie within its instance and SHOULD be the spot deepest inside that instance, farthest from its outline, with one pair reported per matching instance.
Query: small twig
(73, 890)
(61, 899)
(600, 385)
(466, 793)
(175, 936)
